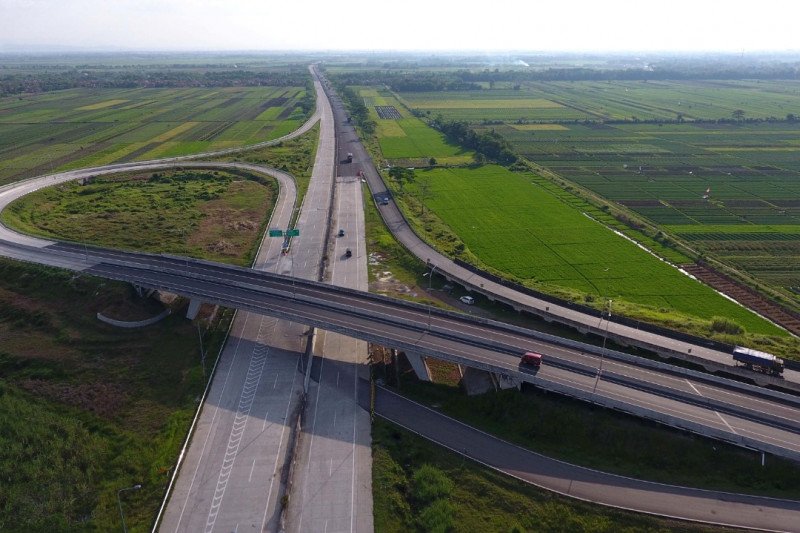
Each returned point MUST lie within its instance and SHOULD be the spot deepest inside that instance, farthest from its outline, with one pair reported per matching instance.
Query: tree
(424, 188)
(480, 158)
(432, 162)
(738, 114)
(401, 175)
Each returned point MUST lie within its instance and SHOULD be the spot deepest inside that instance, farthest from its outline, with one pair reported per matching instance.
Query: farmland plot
(732, 190)
(516, 226)
(83, 127)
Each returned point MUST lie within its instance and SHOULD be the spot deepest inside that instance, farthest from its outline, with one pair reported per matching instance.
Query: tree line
(488, 145)
(54, 80)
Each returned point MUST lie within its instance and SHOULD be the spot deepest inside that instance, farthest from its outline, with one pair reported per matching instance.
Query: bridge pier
(420, 366)
(194, 308)
(477, 381)
(505, 381)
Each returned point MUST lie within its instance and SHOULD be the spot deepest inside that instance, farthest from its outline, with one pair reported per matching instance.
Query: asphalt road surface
(586, 484)
(332, 482)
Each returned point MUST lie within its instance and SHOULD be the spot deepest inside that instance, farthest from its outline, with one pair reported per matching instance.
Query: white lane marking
(276, 382)
(334, 419)
(249, 479)
(213, 418)
(353, 453)
(726, 423)
(266, 418)
(277, 455)
(337, 379)
(255, 369)
(313, 431)
(694, 388)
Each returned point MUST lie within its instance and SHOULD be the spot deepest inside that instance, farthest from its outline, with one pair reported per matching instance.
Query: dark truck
(530, 362)
(763, 362)
(349, 158)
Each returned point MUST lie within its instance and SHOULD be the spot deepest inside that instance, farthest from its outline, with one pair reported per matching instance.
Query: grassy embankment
(419, 486)
(210, 214)
(89, 409)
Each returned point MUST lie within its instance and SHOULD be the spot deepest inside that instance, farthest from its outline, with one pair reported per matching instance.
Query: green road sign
(275, 233)
(293, 232)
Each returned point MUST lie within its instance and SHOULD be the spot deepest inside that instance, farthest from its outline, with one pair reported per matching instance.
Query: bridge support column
(477, 381)
(194, 308)
(505, 381)
(419, 365)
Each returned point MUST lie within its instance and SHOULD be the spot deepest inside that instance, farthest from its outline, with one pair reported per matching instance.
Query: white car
(469, 300)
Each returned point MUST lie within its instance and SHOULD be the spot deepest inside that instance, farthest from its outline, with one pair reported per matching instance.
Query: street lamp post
(119, 501)
(202, 350)
(430, 283)
(603, 351)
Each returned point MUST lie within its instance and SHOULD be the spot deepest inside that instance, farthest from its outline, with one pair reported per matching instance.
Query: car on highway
(530, 362)
(348, 253)
(469, 300)
(384, 201)
(341, 233)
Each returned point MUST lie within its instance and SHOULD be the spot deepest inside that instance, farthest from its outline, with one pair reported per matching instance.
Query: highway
(231, 477)
(728, 410)
(711, 358)
(647, 385)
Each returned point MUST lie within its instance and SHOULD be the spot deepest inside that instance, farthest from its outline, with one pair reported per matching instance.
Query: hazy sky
(601, 25)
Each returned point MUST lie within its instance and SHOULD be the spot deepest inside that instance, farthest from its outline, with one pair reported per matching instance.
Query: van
(530, 361)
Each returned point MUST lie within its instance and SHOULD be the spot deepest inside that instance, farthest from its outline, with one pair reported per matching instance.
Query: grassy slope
(88, 409)
(295, 156)
(476, 498)
(215, 215)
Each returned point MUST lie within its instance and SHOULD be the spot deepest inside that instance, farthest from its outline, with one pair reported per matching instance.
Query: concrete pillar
(419, 365)
(504, 381)
(477, 381)
(194, 308)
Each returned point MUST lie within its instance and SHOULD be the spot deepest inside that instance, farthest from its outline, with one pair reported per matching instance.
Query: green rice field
(494, 210)
(78, 128)
(409, 140)
(731, 190)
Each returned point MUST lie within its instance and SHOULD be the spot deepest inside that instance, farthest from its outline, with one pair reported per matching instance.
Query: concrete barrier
(133, 324)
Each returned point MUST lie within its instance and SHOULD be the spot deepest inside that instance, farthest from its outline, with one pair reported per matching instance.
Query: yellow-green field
(78, 128)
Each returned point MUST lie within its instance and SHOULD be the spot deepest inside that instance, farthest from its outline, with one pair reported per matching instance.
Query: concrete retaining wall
(135, 323)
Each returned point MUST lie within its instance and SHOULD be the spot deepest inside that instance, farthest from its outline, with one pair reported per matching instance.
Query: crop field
(614, 100)
(408, 140)
(494, 210)
(750, 174)
(76, 128)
